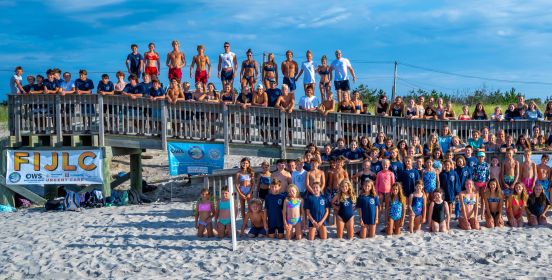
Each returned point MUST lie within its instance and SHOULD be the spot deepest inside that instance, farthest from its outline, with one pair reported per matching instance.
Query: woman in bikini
(493, 200)
(325, 78)
(270, 71)
(264, 180)
(469, 200)
(249, 71)
(152, 61)
(245, 183)
(515, 205)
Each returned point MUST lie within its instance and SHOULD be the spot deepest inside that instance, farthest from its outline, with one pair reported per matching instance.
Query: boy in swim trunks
(227, 65)
(152, 61)
(290, 69)
(282, 175)
(528, 172)
(257, 216)
(315, 175)
(334, 180)
(510, 172)
(543, 175)
(176, 60)
(203, 66)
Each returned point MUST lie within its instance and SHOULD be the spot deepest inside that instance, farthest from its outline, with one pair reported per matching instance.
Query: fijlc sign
(54, 167)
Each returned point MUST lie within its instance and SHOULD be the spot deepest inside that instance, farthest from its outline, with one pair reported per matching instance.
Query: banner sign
(54, 167)
(195, 158)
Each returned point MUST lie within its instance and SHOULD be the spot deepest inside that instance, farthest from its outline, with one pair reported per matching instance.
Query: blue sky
(497, 39)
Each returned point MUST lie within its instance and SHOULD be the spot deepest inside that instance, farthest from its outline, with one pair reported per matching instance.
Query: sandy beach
(158, 240)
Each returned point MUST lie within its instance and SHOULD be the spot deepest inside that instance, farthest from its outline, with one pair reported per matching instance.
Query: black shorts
(342, 85)
(272, 230)
(290, 82)
(226, 76)
(263, 193)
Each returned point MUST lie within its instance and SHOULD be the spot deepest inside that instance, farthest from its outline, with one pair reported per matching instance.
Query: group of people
(400, 184)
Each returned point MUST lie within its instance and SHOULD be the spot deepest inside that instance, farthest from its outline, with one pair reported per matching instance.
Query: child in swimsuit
(265, 180)
(469, 200)
(537, 206)
(367, 205)
(430, 179)
(384, 180)
(495, 168)
(439, 218)
(510, 173)
(417, 206)
(344, 200)
(515, 205)
(222, 214)
(293, 212)
(528, 172)
(257, 216)
(481, 175)
(543, 175)
(396, 209)
(493, 201)
(244, 183)
(317, 210)
(205, 211)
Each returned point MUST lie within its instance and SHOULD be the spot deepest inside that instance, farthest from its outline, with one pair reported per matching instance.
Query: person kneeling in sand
(293, 212)
(257, 216)
(317, 208)
(439, 213)
(205, 211)
(469, 199)
(537, 206)
(367, 205)
(222, 215)
(273, 205)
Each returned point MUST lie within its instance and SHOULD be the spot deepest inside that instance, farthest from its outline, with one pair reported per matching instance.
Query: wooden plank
(117, 182)
(136, 172)
(118, 151)
(140, 142)
(35, 198)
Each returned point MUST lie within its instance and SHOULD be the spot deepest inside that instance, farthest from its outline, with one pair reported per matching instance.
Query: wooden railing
(115, 115)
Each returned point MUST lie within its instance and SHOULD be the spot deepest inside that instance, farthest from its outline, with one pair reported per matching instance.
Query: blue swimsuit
(430, 181)
(395, 210)
(418, 205)
(345, 210)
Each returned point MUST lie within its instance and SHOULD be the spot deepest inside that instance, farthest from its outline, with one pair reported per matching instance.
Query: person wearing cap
(481, 175)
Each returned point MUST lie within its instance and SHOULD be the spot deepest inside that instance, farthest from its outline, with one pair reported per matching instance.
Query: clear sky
(495, 39)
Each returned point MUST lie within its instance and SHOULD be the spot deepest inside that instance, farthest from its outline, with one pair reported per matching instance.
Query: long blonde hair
(351, 191)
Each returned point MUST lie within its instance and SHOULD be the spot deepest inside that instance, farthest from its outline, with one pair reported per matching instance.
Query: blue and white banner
(195, 158)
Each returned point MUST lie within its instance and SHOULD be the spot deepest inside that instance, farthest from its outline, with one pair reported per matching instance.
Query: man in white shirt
(341, 67)
(309, 103)
(15, 81)
(227, 66)
(67, 85)
(299, 177)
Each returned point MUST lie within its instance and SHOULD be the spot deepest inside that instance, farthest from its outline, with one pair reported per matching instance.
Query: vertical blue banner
(195, 158)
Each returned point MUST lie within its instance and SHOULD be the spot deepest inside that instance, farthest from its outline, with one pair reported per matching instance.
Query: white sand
(150, 241)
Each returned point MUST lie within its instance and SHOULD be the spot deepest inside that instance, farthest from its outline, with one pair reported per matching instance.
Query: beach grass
(3, 113)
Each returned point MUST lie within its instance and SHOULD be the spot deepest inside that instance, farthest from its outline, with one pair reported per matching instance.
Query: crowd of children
(396, 184)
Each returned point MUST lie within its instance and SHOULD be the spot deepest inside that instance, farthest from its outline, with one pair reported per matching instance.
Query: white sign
(54, 167)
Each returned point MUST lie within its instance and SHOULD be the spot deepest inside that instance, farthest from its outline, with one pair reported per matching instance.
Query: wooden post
(394, 83)
(59, 130)
(7, 197)
(106, 164)
(17, 121)
(164, 117)
(283, 134)
(225, 121)
(136, 172)
(101, 126)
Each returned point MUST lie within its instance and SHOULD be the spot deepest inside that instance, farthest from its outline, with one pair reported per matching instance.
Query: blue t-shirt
(358, 153)
(156, 92)
(408, 178)
(106, 87)
(464, 173)
(444, 142)
(471, 162)
(273, 206)
(53, 85)
(317, 206)
(273, 95)
(134, 60)
(368, 206)
(376, 167)
(133, 89)
(33, 87)
(380, 146)
(397, 167)
(84, 85)
(339, 152)
(448, 182)
(146, 86)
(188, 95)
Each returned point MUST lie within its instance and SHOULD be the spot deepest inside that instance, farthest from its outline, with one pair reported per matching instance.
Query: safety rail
(116, 115)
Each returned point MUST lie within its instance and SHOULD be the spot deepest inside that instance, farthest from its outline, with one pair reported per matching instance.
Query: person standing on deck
(15, 82)
(203, 66)
(290, 69)
(227, 66)
(176, 60)
(152, 61)
(340, 66)
(135, 61)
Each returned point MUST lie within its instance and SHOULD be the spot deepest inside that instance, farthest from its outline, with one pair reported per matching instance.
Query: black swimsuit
(438, 212)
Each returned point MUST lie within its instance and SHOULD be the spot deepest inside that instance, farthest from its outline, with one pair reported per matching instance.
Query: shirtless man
(203, 66)
(543, 175)
(282, 175)
(315, 175)
(152, 60)
(510, 172)
(528, 172)
(290, 69)
(249, 71)
(176, 60)
(256, 215)
(227, 65)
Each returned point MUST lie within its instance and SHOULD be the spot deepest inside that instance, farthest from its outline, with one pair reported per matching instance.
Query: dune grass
(3, 114)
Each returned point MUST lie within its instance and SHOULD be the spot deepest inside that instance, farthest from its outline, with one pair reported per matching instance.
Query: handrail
(112, 115)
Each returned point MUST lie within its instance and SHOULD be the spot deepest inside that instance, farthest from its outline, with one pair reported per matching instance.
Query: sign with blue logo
(195, 158)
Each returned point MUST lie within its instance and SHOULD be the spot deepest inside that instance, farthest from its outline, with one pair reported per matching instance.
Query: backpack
(94, 199)
(120, 198)
(72, 201)
(54, 204)
(134, 197)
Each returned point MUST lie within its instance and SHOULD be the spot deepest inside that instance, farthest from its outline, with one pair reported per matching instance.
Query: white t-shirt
(299, 179)
(307, 103)
(227, 59)
(67, 86)
(308, 72)
(340, 67)
(13, 87)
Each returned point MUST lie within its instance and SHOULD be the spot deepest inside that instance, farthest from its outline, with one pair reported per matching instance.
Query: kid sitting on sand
(257, 216)
(293, 213)
(317, 209)
(205, 211)
(222, 214)
(273, 206)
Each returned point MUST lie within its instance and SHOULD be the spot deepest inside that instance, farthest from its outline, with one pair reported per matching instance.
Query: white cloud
(81, 5)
